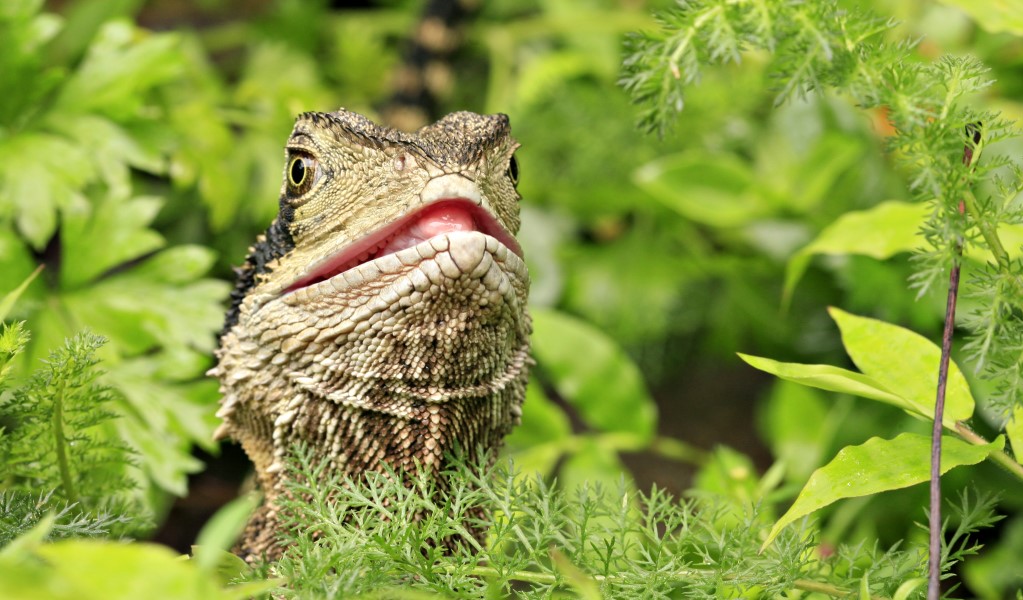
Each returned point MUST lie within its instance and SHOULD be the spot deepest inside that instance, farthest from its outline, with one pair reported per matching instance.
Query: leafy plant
(818, 46)
(79, 125)
(380, 536)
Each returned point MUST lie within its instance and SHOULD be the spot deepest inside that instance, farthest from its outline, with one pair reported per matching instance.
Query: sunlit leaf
(995, 16)
(876, 466)
(121, 65)
(39, 174)
(827, 377)
(906, 363)
(880, 232)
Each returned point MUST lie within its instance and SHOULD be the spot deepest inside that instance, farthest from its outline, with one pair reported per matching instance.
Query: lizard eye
(301, 174)
(513, 171)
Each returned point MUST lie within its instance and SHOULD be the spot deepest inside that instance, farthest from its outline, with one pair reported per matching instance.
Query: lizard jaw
(437, 218)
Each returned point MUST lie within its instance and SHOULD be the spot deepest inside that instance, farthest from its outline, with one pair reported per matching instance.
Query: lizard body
(382, 317)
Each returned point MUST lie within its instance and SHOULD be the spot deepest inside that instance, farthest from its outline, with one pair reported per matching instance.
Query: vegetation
(826, 153)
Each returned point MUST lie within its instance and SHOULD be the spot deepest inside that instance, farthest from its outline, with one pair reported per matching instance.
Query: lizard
(381, 319)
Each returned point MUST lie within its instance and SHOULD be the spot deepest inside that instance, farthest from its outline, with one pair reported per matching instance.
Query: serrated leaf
(114, 231)
(40, 173)
(122, 64)
(593, 374)
(906, 363)
(880, 232)
(876, 466)
(112, 148)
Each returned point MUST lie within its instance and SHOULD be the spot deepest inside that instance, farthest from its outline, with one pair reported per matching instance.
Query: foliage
(59, 437)
(70, 141)
(357, 538)
(138, 166)
(818, 45)
(97, 569)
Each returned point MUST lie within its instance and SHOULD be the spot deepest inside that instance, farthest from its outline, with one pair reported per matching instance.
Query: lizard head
(391, 275)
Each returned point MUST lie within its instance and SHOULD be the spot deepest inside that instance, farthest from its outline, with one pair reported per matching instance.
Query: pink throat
(438, 218)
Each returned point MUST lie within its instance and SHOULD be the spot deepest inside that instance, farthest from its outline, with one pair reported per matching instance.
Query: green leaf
(827, 377)
(880, 232)
(715, 191)
(220, 532)
(8, 300)
(906, 363)
(92, 569)
(797, 428)
(121, 65)
(39, 174)
(584, 586)
(995, 16)
(593, 374)
(879, 465)
(114, 231)
(1014, 431)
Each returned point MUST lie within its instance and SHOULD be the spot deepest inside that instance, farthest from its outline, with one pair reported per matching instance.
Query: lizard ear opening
(301, 173)
(513, 170)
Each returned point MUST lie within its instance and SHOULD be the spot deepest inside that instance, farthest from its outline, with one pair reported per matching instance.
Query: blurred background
(141, 152)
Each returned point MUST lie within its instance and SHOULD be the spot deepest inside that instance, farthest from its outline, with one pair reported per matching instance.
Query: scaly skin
(401, 359)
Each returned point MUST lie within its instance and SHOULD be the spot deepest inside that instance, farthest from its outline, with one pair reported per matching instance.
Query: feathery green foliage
(61, 450)
(379, 536)
(939, 136)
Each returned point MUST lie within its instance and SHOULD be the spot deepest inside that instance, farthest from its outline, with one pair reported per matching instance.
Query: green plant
(970, 203)
(379, 537)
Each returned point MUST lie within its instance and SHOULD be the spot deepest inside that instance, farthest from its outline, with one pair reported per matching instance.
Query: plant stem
(67, 482)
(971, 153)
(934, 563)
(998, 456)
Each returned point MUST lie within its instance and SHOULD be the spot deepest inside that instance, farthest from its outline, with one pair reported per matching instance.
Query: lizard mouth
(435, 219)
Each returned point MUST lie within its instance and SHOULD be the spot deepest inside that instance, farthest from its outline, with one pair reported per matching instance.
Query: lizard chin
(436, 219)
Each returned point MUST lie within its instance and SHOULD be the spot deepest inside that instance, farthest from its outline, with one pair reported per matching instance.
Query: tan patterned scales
(382, 317)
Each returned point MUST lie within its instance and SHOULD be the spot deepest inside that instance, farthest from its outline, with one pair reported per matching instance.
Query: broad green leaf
(880, 232)
(94, 569)
(827, 377)
(879, 465)
(1014, 431)
(906, 363)
(220, 532)
(995, 16)
(114, 231)
(796, 426)
(593, 374)
(39, 174)
(113, 149)
(592, 462)
(121, 65)
(714, 191)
